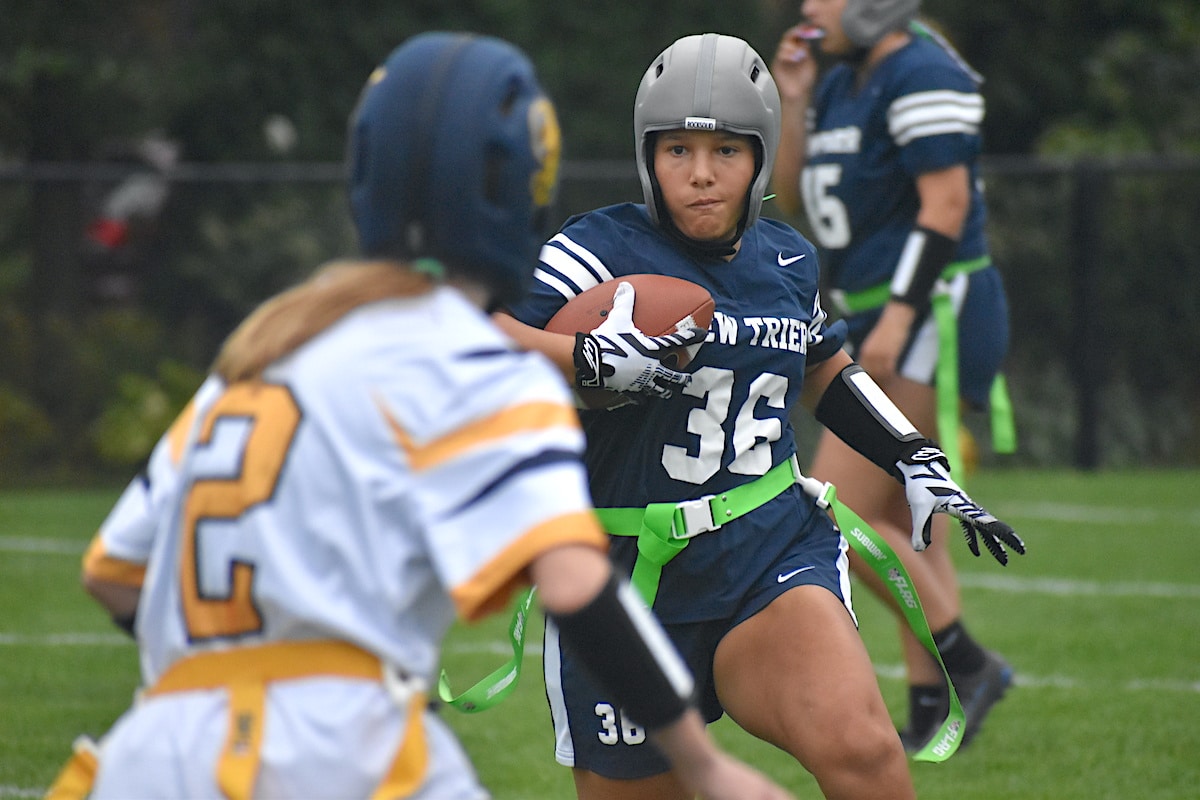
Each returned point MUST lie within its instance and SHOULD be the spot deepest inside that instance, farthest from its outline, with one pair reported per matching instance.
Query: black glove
(930, 490)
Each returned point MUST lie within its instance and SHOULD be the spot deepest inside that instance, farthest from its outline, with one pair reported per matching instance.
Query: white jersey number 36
(752, 437)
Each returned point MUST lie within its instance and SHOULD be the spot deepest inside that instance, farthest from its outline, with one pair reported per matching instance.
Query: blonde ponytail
(288, 320)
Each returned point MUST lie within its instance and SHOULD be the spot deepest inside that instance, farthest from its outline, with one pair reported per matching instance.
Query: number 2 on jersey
(250, 426)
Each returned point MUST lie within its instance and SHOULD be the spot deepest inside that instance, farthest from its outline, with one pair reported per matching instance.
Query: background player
(370, 457)
(885, 152)
(756, 594)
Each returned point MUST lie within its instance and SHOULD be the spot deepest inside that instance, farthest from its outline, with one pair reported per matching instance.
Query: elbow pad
(126, 623)
(629, 655)
(925, 255)
(857, 411)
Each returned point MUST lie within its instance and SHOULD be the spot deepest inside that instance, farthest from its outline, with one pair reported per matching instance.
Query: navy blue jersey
(730, 424)
(918, 112)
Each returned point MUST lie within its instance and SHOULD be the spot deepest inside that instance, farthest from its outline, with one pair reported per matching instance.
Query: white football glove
(930, 490)
(619, 357)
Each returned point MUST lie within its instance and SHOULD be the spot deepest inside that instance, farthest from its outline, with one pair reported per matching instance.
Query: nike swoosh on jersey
(787, 576)
(783, 262)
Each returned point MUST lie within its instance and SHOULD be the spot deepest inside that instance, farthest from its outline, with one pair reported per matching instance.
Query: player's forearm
(559, 348)
(569, 577)
(791, 156)
(945, 200)
(686, 744)
(118, 599)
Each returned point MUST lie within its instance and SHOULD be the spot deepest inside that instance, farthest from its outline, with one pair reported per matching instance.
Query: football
(661, 305)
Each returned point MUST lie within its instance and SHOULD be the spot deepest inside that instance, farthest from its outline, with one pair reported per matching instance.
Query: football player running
(883, 151)
(699, 489)
(369, 459)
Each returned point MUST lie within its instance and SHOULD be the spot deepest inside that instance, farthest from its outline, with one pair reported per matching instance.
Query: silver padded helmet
(865, 22)
(709, 82)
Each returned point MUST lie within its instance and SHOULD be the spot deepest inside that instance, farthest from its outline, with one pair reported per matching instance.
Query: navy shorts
(983, 335)
(592, 733)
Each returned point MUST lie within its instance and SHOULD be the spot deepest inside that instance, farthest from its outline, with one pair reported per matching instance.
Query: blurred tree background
(140, 216)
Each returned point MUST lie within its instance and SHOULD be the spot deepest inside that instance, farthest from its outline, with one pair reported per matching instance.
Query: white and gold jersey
(401, 468)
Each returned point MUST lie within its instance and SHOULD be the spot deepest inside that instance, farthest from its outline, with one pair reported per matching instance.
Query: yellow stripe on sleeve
(523, 418)
(97, 563)
(178, 433)
(492, 584)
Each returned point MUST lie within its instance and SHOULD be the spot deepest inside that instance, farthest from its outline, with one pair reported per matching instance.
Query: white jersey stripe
(943, 97)
(586, 256)
(932, 113)
(937, 130)
(569, 267)
(553, 282)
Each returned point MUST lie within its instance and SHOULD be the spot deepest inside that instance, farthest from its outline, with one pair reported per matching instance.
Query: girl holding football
(696, 479)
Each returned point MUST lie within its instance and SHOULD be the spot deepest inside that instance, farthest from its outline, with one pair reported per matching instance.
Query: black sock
(927, 706)
(960, 653)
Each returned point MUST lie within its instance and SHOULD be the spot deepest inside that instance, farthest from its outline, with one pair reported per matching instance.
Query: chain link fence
(118, 281)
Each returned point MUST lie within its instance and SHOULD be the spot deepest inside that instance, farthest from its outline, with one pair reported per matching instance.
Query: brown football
(661, 304)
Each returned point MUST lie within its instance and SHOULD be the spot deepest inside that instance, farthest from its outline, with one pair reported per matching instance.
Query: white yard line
(20, 791)
(533, 650)
(30, 544)
(1049, 511)
(1073, 587)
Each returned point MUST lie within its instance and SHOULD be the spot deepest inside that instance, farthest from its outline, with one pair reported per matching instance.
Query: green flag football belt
(664, 529)
(1004, 435)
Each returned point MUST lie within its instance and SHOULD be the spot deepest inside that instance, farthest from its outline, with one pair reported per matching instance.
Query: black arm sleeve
(126, 623)
(925, 255)
(628, 653)
(857, 411)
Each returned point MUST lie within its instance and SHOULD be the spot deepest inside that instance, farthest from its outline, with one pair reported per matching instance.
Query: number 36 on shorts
(611, 733)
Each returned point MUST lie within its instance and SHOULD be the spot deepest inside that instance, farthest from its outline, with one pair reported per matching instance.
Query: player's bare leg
(872, 494)
(798, 675)
(880, 501)
(590, 786)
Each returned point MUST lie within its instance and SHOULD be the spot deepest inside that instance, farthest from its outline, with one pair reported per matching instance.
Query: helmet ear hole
(510, 99)
(493, 172)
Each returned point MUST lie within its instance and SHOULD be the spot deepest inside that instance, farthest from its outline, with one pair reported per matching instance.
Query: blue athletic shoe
(981, 690)
(977, 692)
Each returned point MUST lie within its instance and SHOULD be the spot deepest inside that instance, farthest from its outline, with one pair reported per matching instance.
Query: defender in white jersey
(884, 146)
(370, 459)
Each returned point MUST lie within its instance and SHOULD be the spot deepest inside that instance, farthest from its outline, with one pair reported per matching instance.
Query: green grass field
(1101, 621)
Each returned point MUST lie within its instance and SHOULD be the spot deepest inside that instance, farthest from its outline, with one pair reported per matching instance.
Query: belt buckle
(696, 517)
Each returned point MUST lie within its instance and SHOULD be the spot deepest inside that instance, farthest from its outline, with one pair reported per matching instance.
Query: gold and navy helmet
(453, 155)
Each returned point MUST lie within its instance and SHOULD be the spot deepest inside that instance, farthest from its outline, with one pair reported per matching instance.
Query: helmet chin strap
(701, 248)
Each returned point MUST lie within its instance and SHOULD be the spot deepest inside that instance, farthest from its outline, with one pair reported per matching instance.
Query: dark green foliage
(87, 82)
